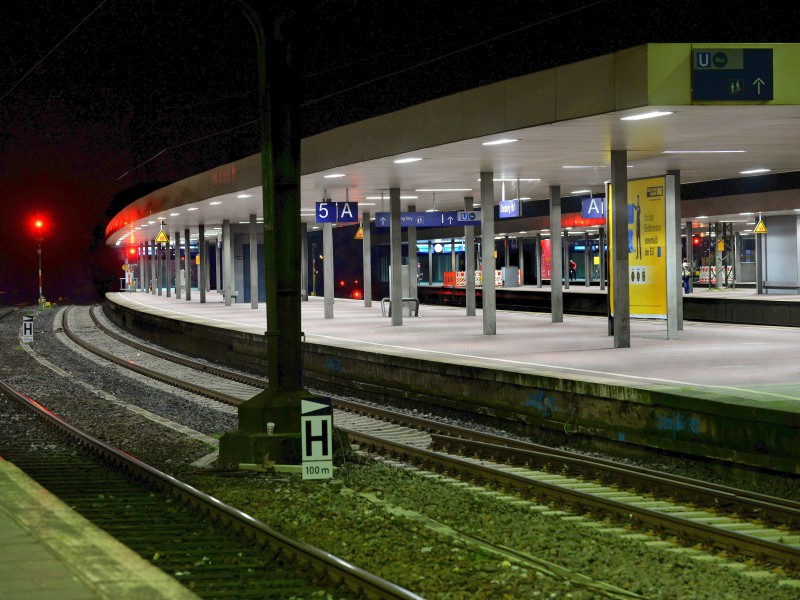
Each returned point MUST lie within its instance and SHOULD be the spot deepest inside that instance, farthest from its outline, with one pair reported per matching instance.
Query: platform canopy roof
(564, 122)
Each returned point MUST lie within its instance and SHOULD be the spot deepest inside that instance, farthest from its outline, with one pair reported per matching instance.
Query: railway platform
(51, 552)
(728, 391)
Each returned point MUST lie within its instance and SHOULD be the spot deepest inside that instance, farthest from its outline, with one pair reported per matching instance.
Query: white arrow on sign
(758, 83)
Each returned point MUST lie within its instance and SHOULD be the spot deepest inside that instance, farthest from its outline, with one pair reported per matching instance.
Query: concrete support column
(178, 283)
(187, 263)
(412, 256)
(506, 252)
(587, 259)
(673, 255)
(469, 256)
(168, 268)
(253, 262)
(153, 284)
(565, 257)
(521, 259)
(430, 262)
(303, 262)
(366, 250)
(327, 268)
(737, 256)
(202, 272)
(396, 254)
(690, 251)
(556, 260)
(620, 286)
(142, 270)
(719, 229)
(218, 256)
(488, 292)
(206, 260)
(227, 256)
(601, 250)
(537, 258)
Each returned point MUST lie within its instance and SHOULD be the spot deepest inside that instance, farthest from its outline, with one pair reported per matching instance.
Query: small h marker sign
(316, 429)
(27, 330)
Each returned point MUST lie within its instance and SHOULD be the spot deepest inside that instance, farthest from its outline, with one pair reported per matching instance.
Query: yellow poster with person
(647, 247)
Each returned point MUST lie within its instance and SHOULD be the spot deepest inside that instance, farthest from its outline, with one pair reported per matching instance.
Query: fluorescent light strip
(444, 190)
(703, 151)
(193, 208)
(334, 175)
(753, 171)
(581, 192)
(214, 203)
(647, 115)
(387, 197)
(410, 159)
(499, 142)
(244, 195)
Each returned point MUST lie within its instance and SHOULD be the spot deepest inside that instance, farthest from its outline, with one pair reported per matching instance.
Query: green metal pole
(279, 404)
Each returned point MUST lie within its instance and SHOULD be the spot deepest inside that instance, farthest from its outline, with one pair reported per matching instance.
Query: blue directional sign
(326, 212)
(732, 74)
(509, 208)
(593, 208)
(429, 219)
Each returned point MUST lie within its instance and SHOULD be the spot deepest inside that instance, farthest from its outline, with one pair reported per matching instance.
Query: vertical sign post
(27, 330)
(316, 429)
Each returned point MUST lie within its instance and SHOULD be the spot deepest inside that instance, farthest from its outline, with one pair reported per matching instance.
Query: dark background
(104, 101)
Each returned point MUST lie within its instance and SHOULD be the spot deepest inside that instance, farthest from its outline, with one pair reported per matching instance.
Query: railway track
(719, 517)
(204, 543)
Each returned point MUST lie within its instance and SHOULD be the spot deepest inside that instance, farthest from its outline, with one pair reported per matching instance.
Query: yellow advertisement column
(647, 247)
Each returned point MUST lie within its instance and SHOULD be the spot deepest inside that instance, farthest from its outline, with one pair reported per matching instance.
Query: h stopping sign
(27, 330)
(316, 431)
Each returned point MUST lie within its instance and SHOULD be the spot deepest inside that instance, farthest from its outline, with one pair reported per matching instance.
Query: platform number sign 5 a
(337, 212)
(316, 432)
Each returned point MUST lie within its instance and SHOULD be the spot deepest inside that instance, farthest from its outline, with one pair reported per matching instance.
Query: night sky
(103, 101)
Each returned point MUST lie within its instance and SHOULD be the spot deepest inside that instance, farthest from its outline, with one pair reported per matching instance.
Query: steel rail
(739, 542)
(338, 570)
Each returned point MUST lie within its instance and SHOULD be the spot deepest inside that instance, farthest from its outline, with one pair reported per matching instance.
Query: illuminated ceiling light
(581, 192)
(444, 190)
(585, 166)
(214, 203)
(334, 176)
(368, 203)
(703, 151)
(702, 217)
(410, 159)
(499, 142)
(244, 195)
(647, 115)
(144, 224)
(217, 228)
(193, 208)
(386, 198)
(744, 214)
(151, 222)
(515, 179)
(315, 227)
(174, 214)
(753, 171)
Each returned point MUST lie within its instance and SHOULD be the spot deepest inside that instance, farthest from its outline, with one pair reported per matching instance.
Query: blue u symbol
(704, 60)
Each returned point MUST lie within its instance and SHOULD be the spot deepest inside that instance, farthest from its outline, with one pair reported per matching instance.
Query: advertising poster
(544, 266)
(647, 248)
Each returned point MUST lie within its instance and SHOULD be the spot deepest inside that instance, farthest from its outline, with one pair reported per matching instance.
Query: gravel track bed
(406, 526)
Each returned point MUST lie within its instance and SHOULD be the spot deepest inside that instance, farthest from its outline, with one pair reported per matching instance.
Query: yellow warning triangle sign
(760, 228)
(360, 233)
(162, 238)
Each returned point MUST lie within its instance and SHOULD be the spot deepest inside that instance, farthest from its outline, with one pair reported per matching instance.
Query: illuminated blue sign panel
(732, 74)
(509, 208)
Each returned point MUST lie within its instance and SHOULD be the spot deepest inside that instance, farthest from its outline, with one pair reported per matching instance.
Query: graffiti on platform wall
(540, 401)
(677, 423)
(334, 365)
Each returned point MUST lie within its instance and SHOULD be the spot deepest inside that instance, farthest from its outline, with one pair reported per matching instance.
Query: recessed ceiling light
(498, 142)
(703, 151)
(702, 217)
(515, 179)
(581, 192)
(152, 222)
(387, 197)
(647, 115)
(174, 214)
(334, 175)
(217, 228)
(753, 171)
(368, 203)
(444, 190)
(194, 208)
(244, 195)
(244, 222)
(214, 203)
(317, 227)
(584, 166)
(410, 159)
(747, 213)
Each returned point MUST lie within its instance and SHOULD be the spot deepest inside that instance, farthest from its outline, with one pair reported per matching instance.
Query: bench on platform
(413, 305)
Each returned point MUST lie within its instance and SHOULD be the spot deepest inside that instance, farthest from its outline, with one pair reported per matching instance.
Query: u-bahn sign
(732, 74)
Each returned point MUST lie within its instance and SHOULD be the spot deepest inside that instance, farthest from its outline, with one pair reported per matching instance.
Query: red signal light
(132, 251)
(695, 241)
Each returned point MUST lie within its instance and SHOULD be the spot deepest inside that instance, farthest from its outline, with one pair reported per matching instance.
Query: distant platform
(719, 389)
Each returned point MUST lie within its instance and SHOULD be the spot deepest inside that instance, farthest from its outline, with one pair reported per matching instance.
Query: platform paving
(726, 362)
(48, 551)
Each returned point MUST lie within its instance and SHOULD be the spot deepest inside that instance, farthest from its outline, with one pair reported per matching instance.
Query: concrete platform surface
(48, 551)
(730, 363)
